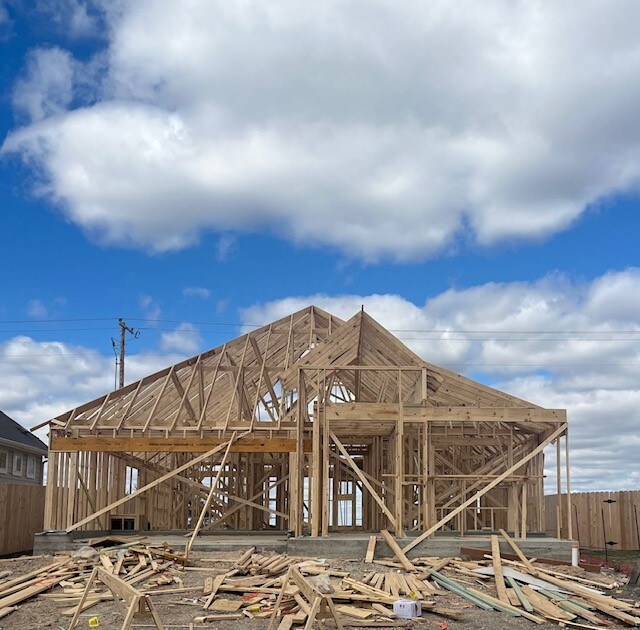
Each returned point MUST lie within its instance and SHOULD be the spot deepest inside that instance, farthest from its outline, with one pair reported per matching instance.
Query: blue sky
(229, 164)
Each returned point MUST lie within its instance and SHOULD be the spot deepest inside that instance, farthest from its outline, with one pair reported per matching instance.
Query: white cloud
(36, 309)
(408, 126)
(226, 245)
(151, 309)
(198, 292)
(6, 23)
(587, 360)
(4, 14)
(73, 18)
(47, 88)
(185, 339)
(41, 379)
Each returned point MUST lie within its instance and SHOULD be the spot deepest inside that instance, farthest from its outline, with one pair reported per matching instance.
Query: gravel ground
(179, 610)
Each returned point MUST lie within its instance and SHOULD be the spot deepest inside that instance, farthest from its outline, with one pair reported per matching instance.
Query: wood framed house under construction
(312, 425)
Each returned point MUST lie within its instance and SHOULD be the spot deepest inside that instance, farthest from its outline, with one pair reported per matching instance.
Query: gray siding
(11, 475)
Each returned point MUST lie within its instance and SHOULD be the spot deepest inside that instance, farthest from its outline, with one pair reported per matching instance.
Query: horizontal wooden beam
(469, 441)
(416, 413)
(172, 445)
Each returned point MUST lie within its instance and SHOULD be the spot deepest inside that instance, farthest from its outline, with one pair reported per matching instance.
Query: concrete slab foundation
(335, 546)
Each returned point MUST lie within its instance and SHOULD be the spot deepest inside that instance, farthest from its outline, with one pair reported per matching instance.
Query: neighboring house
(21, 453)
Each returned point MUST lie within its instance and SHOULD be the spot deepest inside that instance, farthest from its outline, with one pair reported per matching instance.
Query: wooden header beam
(417, 413)
(172, 445)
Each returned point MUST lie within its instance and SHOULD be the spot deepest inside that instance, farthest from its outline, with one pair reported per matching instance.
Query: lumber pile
(526, 589)
(298, 591)
(290, 591)
(17, 590)
(64, 581)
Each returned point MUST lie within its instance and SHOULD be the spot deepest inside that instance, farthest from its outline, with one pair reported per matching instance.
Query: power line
(47, 330)
(565, 335)
(410, 330)
(565, 338)
(246, 324)
(46, 321)
(96, 354)
(249, 325)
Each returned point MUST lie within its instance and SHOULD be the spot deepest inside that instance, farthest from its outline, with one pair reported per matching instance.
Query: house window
(131, 480)
(17, 464)
(123, 523)
(31, 467)
(4, 461)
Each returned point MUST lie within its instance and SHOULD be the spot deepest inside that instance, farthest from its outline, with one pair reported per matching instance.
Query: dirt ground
(179, 610)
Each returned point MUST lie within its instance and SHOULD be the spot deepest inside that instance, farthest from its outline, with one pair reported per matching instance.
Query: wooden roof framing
(200, 391)
(253, 380)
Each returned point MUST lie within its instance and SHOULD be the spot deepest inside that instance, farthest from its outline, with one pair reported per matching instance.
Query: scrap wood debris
(136, 564)
(519, 588)
(291, 591)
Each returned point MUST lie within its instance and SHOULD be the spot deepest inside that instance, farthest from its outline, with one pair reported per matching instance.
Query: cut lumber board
(545, 607)
(215, 587)
(517, 550)
(286, 623)
(479, 554)
(520, 595)
(354, 611)
(383, 610)
(395, 547)
(497, 571)
(36, 589)
(371, 549)
(226, 605)
(220, 617)
(373, 623)
(7, 611)
(513, 598)
(515, 611)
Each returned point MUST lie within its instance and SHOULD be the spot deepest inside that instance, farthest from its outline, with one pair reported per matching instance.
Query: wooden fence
(599, 517)
(21, 516)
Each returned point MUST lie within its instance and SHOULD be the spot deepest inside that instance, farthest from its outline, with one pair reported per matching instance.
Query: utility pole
(124, 329)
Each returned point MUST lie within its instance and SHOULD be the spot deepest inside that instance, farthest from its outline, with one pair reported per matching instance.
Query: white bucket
(407, 608)
(575, 555)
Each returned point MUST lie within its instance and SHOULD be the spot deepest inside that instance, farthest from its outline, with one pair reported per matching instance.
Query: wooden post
(559, 486)
(52, 482)
(73, 488)
(568, 473)
(512, 504)
(316, 475)
(523, 512)
(293, 491)
(325, 474)
(300, 459)
(430, 483)
(399, 467)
